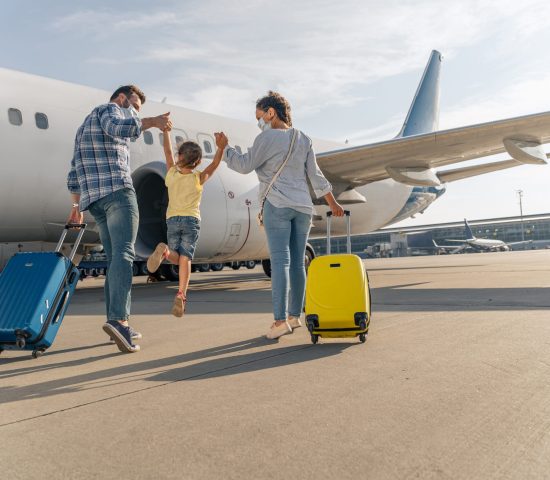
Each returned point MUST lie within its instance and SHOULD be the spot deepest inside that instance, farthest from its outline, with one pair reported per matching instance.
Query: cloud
(106, 22)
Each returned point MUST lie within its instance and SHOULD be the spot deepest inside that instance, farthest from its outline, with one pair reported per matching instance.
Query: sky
(350, 68)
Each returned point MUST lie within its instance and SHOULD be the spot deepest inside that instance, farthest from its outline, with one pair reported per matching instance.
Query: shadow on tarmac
(229, 364)
(395, 298)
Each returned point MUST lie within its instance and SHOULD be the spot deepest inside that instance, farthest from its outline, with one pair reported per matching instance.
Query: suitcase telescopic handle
(347, 213)
(81, 227)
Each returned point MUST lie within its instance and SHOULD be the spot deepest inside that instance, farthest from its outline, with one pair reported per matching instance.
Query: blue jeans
(183, 234)
(117, 219)
(287, 231)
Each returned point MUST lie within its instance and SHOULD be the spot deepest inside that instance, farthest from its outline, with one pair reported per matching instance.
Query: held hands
(163, 122)
(221, 140)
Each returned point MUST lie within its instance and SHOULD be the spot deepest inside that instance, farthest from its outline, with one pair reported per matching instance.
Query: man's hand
(221, 140)
(163, 122)
(76, 216)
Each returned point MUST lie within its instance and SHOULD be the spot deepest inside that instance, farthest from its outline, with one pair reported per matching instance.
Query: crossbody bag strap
(278, 171)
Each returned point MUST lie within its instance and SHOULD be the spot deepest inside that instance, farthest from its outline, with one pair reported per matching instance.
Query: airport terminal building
(416, 240)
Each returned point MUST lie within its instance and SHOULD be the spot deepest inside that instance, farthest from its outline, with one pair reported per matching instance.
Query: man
(99, 181)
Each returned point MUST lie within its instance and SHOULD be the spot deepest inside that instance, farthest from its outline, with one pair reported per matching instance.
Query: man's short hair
(128, 90)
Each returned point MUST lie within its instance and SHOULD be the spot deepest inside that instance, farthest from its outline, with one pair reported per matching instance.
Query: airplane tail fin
(423, 116)
(468, 231)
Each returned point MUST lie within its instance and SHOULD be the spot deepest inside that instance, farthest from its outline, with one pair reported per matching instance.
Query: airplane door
(241, 193)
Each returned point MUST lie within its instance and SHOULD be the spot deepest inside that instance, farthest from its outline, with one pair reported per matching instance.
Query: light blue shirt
(267, 154)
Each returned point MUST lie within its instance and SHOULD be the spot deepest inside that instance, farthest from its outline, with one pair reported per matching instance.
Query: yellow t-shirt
(184, 193)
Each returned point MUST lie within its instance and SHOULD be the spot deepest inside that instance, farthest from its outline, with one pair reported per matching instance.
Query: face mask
(130, 112)
(263, 125)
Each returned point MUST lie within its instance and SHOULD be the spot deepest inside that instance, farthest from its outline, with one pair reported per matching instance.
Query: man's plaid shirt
(101, 159)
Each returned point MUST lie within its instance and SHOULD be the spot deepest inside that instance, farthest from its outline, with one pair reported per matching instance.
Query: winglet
(423, 116)
(468, 231)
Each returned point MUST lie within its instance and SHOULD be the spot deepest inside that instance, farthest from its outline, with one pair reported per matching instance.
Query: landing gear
(314, 338)
(170, 272)
(362, 337)
(37, 353)
(266, 265)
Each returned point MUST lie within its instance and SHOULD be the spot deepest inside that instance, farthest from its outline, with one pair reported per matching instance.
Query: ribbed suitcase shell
(337, 289)
(35, 289)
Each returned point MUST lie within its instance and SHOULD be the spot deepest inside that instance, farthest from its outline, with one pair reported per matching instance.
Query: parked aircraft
(479, 244)
(381, 183)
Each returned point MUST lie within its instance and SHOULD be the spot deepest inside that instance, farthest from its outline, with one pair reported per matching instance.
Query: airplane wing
(523, 242)
(411, 159)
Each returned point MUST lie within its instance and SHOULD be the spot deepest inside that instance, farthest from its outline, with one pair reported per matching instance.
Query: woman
(288, 207)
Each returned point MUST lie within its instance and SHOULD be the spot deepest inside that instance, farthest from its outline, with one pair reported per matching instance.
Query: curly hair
(191, 154)
(278, 103)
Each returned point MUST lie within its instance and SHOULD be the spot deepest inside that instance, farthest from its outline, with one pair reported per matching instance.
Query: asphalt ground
(452, 383)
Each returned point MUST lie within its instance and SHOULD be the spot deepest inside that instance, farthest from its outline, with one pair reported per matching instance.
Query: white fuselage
(34, 164)
(486, 244)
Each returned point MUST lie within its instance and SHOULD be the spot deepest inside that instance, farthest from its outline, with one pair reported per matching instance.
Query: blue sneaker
(121, 335)
(134, 335)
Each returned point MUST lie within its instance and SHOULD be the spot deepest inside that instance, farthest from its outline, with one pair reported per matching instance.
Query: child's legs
(184, 273)
(183, 234)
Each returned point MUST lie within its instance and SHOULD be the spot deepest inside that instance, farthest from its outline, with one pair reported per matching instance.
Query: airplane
(381, 183)
(479, 244)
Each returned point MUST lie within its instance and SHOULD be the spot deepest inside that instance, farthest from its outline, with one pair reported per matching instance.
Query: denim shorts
(183, 233)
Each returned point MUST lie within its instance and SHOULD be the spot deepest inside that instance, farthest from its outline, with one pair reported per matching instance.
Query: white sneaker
(277, 331)
(294, 322)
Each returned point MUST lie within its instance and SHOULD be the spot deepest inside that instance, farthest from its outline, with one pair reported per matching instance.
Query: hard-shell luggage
(35, 291)
(338, 302)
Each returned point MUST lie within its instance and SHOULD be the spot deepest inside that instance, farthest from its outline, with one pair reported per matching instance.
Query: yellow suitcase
(338, 302)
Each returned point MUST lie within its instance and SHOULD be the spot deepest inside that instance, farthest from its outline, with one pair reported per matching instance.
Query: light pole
(520, 195)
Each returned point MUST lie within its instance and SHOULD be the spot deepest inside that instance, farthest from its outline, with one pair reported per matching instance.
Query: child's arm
(221, 143)
(168, 153)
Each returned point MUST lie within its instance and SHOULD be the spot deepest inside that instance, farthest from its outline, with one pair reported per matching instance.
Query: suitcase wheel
(314, 338)
(20, 342)
(363, 337)
(37, 353)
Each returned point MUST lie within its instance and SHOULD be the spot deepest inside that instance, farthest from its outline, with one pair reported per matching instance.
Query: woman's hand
(221, 140)
(334, 206)
(336, 209)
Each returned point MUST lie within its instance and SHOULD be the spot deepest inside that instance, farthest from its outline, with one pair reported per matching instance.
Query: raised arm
(247, 162)
(168, 152)
(114, 124)
(221, 143)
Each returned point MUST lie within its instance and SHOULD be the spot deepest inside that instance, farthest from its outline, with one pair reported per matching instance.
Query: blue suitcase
(35, 290)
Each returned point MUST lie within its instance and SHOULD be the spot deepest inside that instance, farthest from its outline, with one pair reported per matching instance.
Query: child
(185, 186)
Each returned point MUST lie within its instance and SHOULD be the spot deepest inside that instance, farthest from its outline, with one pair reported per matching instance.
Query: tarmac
(452, 383)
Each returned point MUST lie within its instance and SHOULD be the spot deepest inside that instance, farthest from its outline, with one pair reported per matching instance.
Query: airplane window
(41, 120)
(15, 117)
(179, 140)
(148, 138)
(207, 146)
(239, 149)
(161, 138)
